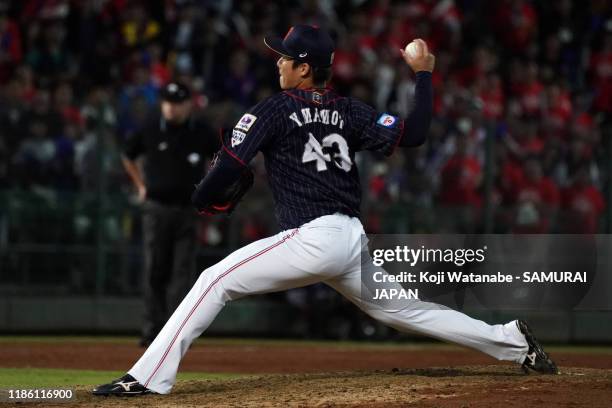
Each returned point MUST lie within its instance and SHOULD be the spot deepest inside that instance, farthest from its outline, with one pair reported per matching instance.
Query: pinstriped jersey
(309, 139)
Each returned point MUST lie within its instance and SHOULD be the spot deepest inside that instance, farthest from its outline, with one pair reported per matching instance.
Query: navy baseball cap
(175, 92)
(304, 43)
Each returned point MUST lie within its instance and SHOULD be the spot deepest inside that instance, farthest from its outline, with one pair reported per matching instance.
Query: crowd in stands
(77, 77)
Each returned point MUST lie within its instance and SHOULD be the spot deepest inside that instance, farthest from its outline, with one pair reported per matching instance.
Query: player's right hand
(423, 60)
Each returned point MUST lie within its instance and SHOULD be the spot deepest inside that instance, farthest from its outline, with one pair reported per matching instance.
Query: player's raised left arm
(416, 125)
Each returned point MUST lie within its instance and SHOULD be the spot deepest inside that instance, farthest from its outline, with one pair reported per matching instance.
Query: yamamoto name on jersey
(315, 115)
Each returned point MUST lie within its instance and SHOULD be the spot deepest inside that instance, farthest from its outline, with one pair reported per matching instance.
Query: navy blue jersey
(309, 139)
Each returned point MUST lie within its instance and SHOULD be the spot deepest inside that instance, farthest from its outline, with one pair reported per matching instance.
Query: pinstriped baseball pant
(327, 249)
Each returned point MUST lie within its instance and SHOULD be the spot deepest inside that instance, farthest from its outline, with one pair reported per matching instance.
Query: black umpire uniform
(175, 152)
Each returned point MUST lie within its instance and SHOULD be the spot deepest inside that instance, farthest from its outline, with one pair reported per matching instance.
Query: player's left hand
(228, 199)
(422, 60)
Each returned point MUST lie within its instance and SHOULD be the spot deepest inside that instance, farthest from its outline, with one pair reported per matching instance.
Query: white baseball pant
(327, 249)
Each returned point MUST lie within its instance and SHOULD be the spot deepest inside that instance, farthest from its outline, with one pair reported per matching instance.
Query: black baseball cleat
(536, 358)
(126, 386)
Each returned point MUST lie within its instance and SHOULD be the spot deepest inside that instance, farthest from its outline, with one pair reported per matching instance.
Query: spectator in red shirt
(510, 174)
(490, 92)
(460, 177)
(528, 88)
(524, 139)
(346, 59)
(531, 141)
(160, 74)
(558, 107)
(582, 203)
(377, 186)
(484, 61)
(516, 24)
(459, 196)
(64, 105)
(537, 200)
(442, 17)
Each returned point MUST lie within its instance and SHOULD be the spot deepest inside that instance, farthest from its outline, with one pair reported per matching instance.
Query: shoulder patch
(237, 137)
(245, 122)
(386, 120)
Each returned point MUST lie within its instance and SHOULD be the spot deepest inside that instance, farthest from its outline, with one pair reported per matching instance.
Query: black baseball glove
(226, 200)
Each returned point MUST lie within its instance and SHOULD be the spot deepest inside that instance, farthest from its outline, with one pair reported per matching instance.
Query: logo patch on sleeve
(386, 120)
(237, 137)
(245, 122)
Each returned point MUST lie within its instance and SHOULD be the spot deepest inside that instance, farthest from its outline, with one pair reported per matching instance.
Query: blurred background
(521, 141)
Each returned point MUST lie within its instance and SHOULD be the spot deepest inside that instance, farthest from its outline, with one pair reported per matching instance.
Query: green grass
(51, 377)
(61, 339)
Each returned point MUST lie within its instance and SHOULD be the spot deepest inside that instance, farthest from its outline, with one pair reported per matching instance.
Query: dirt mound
(466, 386)
(302, 375)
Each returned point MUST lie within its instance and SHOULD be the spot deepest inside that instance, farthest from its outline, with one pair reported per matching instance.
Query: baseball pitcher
(309, 135)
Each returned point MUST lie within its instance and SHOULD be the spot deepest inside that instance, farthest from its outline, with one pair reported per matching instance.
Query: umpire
(174, 148)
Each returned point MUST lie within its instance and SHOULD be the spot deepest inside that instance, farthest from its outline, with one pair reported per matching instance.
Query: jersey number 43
(313, 151)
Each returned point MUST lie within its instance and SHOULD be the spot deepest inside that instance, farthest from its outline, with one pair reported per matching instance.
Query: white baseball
(412, 49)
